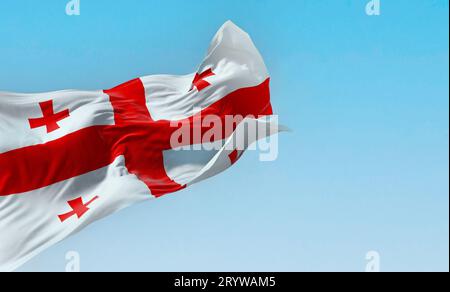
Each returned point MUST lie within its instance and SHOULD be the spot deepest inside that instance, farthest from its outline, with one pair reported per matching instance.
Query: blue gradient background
(366, 167)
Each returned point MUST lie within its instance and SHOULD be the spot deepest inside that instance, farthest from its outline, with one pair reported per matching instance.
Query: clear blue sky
(366, 167)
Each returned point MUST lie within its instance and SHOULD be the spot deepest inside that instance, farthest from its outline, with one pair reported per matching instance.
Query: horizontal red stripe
(33, 167)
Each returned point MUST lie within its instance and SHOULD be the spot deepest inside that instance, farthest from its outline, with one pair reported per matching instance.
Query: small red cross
(50, 119)
(78, 208)
(234, 156)
(199, 81)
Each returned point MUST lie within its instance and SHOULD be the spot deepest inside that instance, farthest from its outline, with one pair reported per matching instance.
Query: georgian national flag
(69, 158)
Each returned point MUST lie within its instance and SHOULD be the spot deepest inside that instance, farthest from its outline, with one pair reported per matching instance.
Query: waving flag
(69, 158)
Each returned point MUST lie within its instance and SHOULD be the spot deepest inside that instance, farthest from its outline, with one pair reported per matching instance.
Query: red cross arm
(234, 156)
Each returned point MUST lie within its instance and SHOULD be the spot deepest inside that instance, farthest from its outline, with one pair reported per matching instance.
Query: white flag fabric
(69, 158)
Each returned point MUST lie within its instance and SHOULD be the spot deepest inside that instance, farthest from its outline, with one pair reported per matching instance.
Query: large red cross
(50, 119)
(135, 135)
